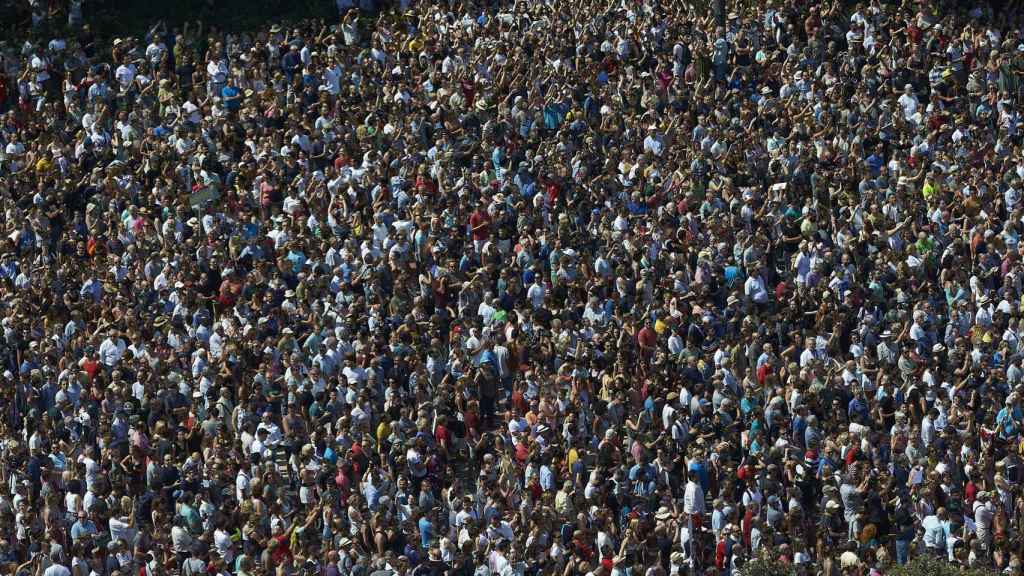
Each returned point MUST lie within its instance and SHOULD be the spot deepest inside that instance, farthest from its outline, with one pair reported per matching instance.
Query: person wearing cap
(693, 502)
(983, 514)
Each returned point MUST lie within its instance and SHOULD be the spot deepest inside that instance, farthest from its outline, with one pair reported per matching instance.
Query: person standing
(693, 507)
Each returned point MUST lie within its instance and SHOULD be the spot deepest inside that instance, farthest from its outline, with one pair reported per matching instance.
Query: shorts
(697, 521)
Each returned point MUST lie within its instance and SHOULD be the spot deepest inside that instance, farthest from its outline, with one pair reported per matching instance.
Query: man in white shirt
(57, 570)
(754, 289)
(654, 143)
(241, 485)
(217, 341)
(983, 517)
(693, 499)
(908, 102)
(668, 412)
(332, 79)
(155, 51)
(499, 528)
(485, 310)
(536, 294)
(217, 72)
(936, 532)
(112, 349)
(125, 75)
(273, 430)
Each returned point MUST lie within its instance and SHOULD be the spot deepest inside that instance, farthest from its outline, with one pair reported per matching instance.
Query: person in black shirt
(185, 72)
(433, 565)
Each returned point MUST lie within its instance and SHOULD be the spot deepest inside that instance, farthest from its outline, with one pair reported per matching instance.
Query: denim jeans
(902, 551)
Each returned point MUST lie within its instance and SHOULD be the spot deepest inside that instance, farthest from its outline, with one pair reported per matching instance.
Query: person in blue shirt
(370, 490)
(9, 267)
(524, 181)
(231, 96)
(639, 468)
(82, 527)
(1007, 419)
(875, 161)
(426, 528)
(487, 356)
(297, 258)
(546, 476)
(291, 62)
(92, 288)
(937, 535)
(800, 426)
(698, 468)
(857, 409)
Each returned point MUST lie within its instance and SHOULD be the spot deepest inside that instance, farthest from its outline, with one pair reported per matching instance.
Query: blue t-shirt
(426, 532)
(228, 94)
(298, 260)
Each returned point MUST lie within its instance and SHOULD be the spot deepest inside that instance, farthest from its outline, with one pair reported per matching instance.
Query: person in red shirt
(441, 435)
(764, 371)
(468, 91)
(748, 522)
(90, 365)
(552, 189)
(647, 339)
(721, 551)
(471, 418)
(279, 543)
(971, 489)
(230, 289)
(479, 226)
(424, 183)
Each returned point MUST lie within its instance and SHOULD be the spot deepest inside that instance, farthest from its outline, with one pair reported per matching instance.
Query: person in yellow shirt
(44, 165)
(928, 190)
(383, 431)
(660, 326)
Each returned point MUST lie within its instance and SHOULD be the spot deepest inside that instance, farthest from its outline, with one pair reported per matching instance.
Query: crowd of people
(514, 288)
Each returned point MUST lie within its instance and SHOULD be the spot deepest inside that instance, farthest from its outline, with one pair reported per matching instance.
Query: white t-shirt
(92, 472)
(241, 485)
(909, 105)
(57, 570)
(222, 541)
(536, 295)
(121, 530)
(125, 74)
